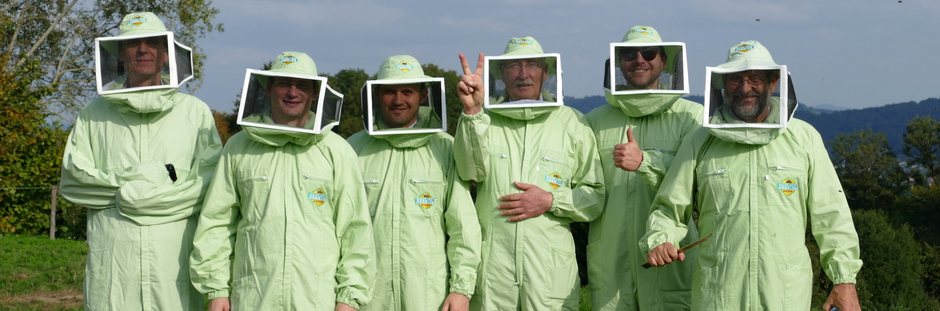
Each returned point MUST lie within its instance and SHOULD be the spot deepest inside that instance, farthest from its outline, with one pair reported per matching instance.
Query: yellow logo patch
(425, 200)
(404, 67)
(555, 180)
(787, 186)
(288, 59)
(317, 196)
(137, 20)
(744, 48)
(643, 30)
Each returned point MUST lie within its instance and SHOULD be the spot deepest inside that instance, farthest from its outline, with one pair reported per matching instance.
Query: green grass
(37, 273)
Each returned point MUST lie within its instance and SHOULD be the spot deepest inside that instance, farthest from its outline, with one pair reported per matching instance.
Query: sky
(847, 53)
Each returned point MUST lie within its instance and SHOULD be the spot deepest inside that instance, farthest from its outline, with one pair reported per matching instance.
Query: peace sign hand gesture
(470, 87)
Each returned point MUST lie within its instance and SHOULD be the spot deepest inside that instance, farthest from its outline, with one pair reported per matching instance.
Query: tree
(867, 168)
(454, 106)
(60, 35)
(30, 152)
(922, 144)
(892, 263)
(349, 82)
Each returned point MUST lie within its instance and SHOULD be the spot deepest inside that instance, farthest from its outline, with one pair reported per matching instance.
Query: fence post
(52, 213)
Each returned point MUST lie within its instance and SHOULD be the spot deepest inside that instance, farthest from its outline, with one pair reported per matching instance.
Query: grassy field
(37, 273)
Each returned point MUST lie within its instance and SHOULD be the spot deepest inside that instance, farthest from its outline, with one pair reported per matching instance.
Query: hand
(456, 302)
(532, 202)
(628, 156)
(343, 307)
(219, 304)
(664, 254)
(843, 296)
(470, 87)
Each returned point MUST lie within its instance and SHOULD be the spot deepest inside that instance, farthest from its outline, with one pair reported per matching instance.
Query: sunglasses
(648, 53)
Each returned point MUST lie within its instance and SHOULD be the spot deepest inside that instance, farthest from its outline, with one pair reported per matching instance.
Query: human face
(523, 77)
(399, 103)
(750, 92)
(143, 60)
(291, 99)
(641, 71)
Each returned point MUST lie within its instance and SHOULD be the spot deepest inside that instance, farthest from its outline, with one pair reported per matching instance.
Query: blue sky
(849, 53)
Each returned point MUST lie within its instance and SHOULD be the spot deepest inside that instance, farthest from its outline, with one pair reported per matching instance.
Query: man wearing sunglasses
(758, 179)
(637, 136)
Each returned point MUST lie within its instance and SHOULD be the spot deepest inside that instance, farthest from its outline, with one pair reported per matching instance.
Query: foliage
(922, 144)
(349, 82)
(30, 154)
(60, 36)
(868, 169)
(921, 209)
(892, 259)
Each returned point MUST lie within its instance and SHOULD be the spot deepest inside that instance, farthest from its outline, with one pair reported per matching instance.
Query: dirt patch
(68, 299)
(21, 276)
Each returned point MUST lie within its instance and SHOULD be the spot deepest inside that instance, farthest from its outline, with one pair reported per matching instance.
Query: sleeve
(151, 204)
(210, 262)
(464, 236)
(82, 183)
(657, 161)
(830, 217)
(672, 206)
(584, 201)
(653, 167)
(355, 272)
(470, 152)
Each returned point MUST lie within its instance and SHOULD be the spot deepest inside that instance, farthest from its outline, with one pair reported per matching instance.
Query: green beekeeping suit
(660, 122)
(285, 225)
(757, 188)
(427, 237)
(140, 222)
(530, 264)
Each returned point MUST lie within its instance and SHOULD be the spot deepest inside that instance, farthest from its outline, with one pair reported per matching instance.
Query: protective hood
(666, 87)
(278, 137)
(143, 57)
(290, 92)
(409, 94)
(748, 87)
(523, 113)
(526, 73)
(144, 101)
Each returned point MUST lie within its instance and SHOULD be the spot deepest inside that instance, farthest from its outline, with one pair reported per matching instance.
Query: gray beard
(747, 114)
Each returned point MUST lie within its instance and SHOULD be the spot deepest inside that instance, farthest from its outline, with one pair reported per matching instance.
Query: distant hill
(830, 120)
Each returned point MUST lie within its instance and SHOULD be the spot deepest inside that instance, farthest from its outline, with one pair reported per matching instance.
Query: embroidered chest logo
(555, 180)
(787, 186)
(425, 200)
(317, 196)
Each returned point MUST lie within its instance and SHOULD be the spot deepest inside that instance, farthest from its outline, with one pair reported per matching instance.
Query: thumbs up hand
(628, 156)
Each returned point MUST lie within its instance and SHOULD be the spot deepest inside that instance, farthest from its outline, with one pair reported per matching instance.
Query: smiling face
(143, 60)
(291, 99)
(399, 103)
(642, 67)
(523, 77)
(749, 93)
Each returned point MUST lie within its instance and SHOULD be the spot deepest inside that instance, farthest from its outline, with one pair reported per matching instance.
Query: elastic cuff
(349, 301)
(843, 280)
(462, 292)
(219, 294)
(478, 116)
